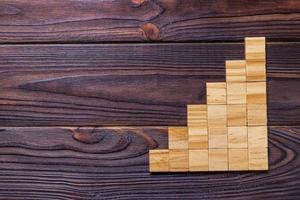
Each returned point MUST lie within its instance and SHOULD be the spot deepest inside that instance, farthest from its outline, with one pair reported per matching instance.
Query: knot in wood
(150, 31)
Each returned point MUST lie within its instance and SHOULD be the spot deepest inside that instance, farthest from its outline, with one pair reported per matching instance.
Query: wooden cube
(256, 70)
(216, 93)
(256, 114)
(198, 160)
(198, 138)
(218, 159)
(178, 160)
(237, 137)
(235, 71)
(238, 159)
(178, 138)
(255, 48)
(159, 160)
(237, 115)
(197, 116)
(217, 138)
(258, 136)
(217, 115)
(236, 93)
(258, 158)
(256, 92)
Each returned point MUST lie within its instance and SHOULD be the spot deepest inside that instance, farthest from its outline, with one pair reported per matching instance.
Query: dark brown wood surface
(112, 163)
(141, 20)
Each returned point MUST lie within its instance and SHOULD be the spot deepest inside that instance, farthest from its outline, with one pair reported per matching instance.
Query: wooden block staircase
(230, 132)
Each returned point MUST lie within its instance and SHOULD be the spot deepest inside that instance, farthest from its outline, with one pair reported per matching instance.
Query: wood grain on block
(217, 115)
(159, 160)
(236, 115)
(256, 114)
(238, 159)
(236, 93)
(257, 92)
(255, 48)
(198, 160)
(216, 93)
(258, 158)
(237, 137)
(257, 136)
(178, 160)
(218, 137)
(218, 159)
(197, 116)
(198, 138)
(256, 70)
(235, 70)
(178, 138)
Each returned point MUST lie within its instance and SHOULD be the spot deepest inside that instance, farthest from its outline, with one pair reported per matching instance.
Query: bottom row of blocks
(208, 160)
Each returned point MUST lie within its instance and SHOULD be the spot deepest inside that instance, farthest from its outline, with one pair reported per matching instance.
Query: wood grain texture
(124, 84)
(112, 163)
(141, 20)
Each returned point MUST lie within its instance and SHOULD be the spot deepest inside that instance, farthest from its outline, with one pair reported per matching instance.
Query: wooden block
(237, 137)
(256, 92)
(178, 138)
(258, 158)
(236, 93)
(198, 138)
(255, 48)
(256, 70)
(218, 159)
(237, 115)
(178, 160)
(216, 93)
(235, 71)
(238, 159)
(197, 116)
(256, 114)
(198, 160)
(257, 136)
(217, 138)
(159, 160)
(217, 115)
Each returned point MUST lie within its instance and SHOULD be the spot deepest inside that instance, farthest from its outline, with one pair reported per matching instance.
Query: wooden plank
(95, 163)
(140, 20)
(140, 84)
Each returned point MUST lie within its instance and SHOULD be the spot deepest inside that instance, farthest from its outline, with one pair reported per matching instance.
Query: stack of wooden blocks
(230, 132)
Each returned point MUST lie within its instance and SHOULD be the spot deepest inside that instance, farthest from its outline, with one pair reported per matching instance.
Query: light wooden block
(159, 160)
(256, 114)
(235, 71)
(198, 138)
(236, 93)
(256, 70)
(178, 160)
(258, 158)
(216, 93)
(255, 48)
(256, 92)
(258, 136)
(217, 138)
(238, 159)
(237, 137)
(237, 115)
(218, 159)
(198, 160)
(178, 138)
(217, 115)
(197, 116)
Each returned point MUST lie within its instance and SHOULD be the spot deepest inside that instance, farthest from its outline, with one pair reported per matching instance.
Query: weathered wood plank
(112, 163)
(139, 20)
(145, 84)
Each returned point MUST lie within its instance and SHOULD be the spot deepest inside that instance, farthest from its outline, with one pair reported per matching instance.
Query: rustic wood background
(88, 86)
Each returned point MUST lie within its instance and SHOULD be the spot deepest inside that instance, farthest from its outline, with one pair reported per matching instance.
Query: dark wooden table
(88, 87)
